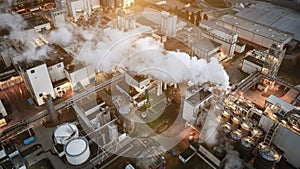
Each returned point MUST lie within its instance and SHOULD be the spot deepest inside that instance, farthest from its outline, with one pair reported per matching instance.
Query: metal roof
(285, 106)
(254, 27)
(278, 17)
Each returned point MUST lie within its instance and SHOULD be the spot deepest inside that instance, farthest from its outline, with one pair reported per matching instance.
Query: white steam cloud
(110, 47)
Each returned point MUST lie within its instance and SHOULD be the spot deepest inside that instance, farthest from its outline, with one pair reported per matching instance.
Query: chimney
(50, 108)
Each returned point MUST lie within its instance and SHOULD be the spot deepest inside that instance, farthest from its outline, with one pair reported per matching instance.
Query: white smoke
(110, 47)
(233, 160)
(15, 23)
(61, 36)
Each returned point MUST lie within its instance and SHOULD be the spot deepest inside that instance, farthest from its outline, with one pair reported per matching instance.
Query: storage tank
(257, 134)
(65, 132)
(246, 146)
(113, 132)
(245, 128)
(235, 136)
(235, 123)
(77, 151)
(226, 116)
(226, 128)
(266, 158)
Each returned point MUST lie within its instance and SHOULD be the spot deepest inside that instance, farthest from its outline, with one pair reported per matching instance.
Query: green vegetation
(218, 3)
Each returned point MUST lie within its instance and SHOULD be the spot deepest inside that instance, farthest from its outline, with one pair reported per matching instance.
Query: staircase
(271, 133)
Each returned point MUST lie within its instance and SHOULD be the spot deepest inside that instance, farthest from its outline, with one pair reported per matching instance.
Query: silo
(257, 134)
(65, 132)
(113, 132)
(226, 128)
(235, 136)
(77, 151)
(266, 158)
(226, 116)
(245, 128)
(235, 123)
(245, 148)
(50, 108)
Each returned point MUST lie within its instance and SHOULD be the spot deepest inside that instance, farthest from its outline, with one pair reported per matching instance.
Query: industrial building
(168, 24)
(82, 8)
(268, 62)
(255, 32)
(57, 75)
(80, 75)
(57, 17)
(219, 34)
(273, 16)
(38, 24)
(33, 74)
(197, 98)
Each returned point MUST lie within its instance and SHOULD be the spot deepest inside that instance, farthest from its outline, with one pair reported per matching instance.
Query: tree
(205, 17)
(186, 15)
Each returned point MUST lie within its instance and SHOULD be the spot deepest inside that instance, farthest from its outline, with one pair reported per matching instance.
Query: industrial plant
(149, 84)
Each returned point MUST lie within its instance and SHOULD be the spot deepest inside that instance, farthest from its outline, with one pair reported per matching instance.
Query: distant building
(219, 34)
(197, 97)
(78, 8)
(254, 32)
(57, 17)
(204, 48)
(168, 24)
(127, 3)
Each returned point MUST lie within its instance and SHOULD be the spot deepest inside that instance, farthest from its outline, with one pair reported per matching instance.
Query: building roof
(74, 67)
(254, 60)
(282, 18)
(206, 44)
(187, 153)
(214, 26)
(256, 28)
(198, 97)
(285, 106)
(36, 21)
(55, 54)
(29, 65)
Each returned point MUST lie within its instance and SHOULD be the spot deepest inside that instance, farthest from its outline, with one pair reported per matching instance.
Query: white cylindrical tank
(113, 132)
(65, 132)
(77, 151)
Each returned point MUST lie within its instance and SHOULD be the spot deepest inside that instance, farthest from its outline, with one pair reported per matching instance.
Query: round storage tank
(266, 158)
(226, 116)
(235, 123)
(77, 151)
(246, 146)
(257, 134)
(226, 128)
(235, 136)
(245, 128)
(65, 132)
(113, 132)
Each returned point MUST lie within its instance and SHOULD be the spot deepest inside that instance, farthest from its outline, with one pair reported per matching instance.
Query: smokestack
(50, 108)
(159, 88)
(165, 86)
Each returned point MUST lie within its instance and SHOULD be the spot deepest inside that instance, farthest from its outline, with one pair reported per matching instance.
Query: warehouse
(283, 19)
(254, 32)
